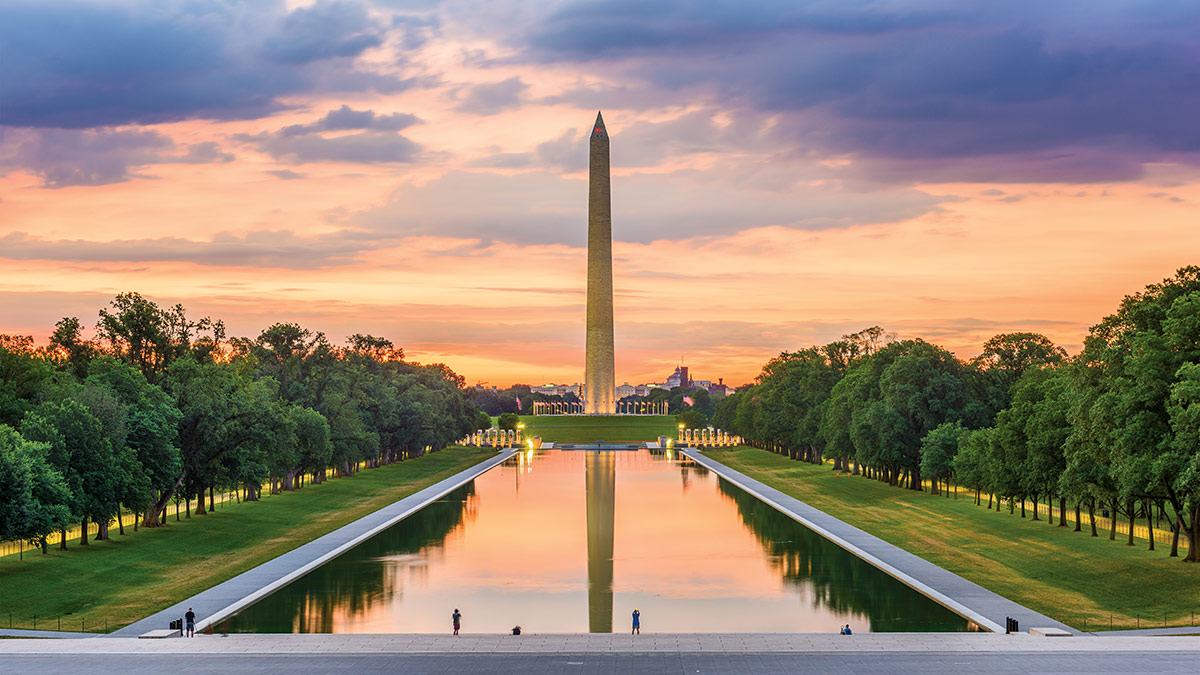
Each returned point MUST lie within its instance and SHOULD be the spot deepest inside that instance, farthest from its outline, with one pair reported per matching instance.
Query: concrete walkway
(971, 600)
(228, 597)
(603, 643)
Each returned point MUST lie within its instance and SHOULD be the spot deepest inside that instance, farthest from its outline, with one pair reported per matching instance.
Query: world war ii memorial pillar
(599, 378)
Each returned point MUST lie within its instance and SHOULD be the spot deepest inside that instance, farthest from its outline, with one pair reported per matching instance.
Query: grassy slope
(1061, 573)
(576, 429)
(133, 576)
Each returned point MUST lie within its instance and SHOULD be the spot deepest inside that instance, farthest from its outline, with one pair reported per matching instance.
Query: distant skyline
(783, 172)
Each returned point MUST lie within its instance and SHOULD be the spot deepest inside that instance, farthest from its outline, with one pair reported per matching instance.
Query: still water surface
(573, 541)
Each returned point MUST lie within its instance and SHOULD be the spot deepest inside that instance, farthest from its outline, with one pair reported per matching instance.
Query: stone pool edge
(233, 595)
(973, 601)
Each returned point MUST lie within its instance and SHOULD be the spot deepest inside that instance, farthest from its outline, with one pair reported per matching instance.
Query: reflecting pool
(573, 541)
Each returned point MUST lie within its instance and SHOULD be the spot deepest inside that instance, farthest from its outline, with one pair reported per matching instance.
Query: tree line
(157, 407)
(1116, 427)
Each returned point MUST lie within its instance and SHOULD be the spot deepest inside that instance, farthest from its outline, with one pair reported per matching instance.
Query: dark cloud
(207, 152)
(493, 97)
(287, 174)
(84, 64)
(346, 118)
(368, 147)
(255, 249)
(504, 160)
(72, 157)
(377, 140)
(327, 29)
(544, 208)
(1018, 90)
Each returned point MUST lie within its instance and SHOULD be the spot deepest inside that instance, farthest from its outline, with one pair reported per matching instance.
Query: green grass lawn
(1067, 575)
(587, 428)
(131, 577)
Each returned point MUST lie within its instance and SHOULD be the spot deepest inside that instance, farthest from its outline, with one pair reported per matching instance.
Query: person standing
(457, 620)
(190, 618)
(637, 623)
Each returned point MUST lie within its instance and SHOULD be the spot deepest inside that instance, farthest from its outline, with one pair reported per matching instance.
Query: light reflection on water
(573, 541)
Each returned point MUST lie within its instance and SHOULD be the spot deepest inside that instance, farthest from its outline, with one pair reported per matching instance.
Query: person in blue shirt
(457, 620)
(846, 630)
(637, 623)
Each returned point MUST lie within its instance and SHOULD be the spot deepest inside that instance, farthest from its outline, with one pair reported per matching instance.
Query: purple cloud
(76, 64)
(1018, 90)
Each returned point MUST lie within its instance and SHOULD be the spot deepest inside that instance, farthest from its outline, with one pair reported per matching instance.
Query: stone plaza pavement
(227, 597)
(870, 654)
(969, 599)
(603, 643)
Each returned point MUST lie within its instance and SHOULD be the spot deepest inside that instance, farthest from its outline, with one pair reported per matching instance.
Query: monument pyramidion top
(598, 130)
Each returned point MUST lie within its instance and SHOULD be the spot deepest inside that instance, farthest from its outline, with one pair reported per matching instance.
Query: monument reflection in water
(563, 541)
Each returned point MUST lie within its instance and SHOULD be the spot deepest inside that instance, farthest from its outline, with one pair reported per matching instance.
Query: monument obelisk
(599, 379)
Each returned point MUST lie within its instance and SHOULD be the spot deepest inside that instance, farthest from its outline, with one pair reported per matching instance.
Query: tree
(22, 376)
(1182, 458)
(692, 419)
(69, 349)
(80, 450)
(33, 496)
(1135, 358)
(938, 449)
(139, 332)
(508, 420)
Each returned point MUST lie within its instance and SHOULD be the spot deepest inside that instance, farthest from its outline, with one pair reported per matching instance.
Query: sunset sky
(784, 172)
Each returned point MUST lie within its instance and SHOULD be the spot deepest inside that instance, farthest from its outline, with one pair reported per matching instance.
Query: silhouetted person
(637, 623)
(457, 620)
(190, 617)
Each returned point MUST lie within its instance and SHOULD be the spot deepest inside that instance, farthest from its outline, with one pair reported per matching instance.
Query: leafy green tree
(508, 421)
(970, 463)
(139, 332)
(1135, 358)
(22, 377)
(80, 450)
(33, 496)
(692, 419)
(938, 449)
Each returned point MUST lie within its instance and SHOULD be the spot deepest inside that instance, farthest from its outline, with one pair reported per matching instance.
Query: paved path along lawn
(226, 598)
(969, 599)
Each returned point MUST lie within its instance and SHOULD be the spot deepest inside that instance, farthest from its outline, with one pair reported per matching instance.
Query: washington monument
(599, 379)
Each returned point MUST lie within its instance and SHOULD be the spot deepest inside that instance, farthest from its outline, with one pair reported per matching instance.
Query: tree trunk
(1078, 518)
(1092, 515)
(187, 507)
(200, 510)
(289, 480)
(1132, 522)
(1062, 512)
(212, 503)
(1193, 536)
(83, 534)
(1112, 520)
(120, 523)
(1150, 523)
(1174, 539)
(102, 530)
(1035, 508)
(160, 506)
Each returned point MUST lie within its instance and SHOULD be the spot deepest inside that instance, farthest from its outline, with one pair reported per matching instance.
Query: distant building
(679, 378)
(555, 389)
(626, 389)
(720, 390)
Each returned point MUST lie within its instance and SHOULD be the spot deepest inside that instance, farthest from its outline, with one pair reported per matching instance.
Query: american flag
(688, 400)
(519, 408)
